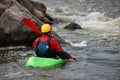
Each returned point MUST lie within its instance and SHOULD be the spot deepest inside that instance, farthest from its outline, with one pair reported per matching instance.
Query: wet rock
(37, 9)
(2, 9)
(13, 31)
(7, 56)
(73, 26)
(4, 4)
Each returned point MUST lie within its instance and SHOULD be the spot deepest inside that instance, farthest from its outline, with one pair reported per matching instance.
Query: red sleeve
(54, 45)
(35, 43)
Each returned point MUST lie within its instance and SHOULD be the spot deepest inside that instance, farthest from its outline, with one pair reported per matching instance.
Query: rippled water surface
(96, 47)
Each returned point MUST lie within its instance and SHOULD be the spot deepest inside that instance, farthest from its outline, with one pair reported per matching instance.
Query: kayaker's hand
(71, 56)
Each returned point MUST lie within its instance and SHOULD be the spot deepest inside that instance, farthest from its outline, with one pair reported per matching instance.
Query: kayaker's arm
(65, 55)
(35, 43)
(59, 51)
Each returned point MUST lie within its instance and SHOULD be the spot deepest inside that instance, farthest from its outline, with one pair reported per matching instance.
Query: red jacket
(53, 46)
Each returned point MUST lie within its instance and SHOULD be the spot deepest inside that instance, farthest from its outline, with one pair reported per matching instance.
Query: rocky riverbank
(13, 31)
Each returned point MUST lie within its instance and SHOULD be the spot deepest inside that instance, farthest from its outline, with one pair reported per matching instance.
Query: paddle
(31, 25)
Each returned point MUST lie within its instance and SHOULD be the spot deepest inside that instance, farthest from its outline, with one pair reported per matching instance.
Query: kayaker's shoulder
(51, 37)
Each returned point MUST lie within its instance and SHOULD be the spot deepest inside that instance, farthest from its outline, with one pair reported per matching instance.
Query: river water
(96, 47)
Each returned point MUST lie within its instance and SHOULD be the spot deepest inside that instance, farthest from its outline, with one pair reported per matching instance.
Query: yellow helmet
(46, 28)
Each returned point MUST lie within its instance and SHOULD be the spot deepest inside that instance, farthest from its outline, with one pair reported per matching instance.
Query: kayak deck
(43, 62)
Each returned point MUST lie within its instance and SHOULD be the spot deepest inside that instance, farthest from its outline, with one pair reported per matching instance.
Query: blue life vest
(43, 47)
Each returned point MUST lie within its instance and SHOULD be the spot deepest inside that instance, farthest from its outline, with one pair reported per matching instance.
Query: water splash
(98, 22)
(81, 44)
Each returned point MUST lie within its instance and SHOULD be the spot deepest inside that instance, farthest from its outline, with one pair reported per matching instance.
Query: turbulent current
(96, 47)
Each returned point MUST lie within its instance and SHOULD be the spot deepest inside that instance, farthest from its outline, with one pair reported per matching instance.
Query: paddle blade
(31, 25)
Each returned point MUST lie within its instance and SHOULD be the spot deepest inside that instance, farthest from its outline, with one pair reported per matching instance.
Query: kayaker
(47, 46)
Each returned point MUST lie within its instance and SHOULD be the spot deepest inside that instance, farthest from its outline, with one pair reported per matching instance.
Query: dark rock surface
(13, 31)
(73, 26)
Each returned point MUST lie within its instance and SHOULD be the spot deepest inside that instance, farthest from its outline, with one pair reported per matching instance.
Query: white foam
(81, 44)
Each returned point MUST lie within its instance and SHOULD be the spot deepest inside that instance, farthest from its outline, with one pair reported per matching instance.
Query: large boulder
(13, 31)
(2, 9)
(37, 9)
(73, 26)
